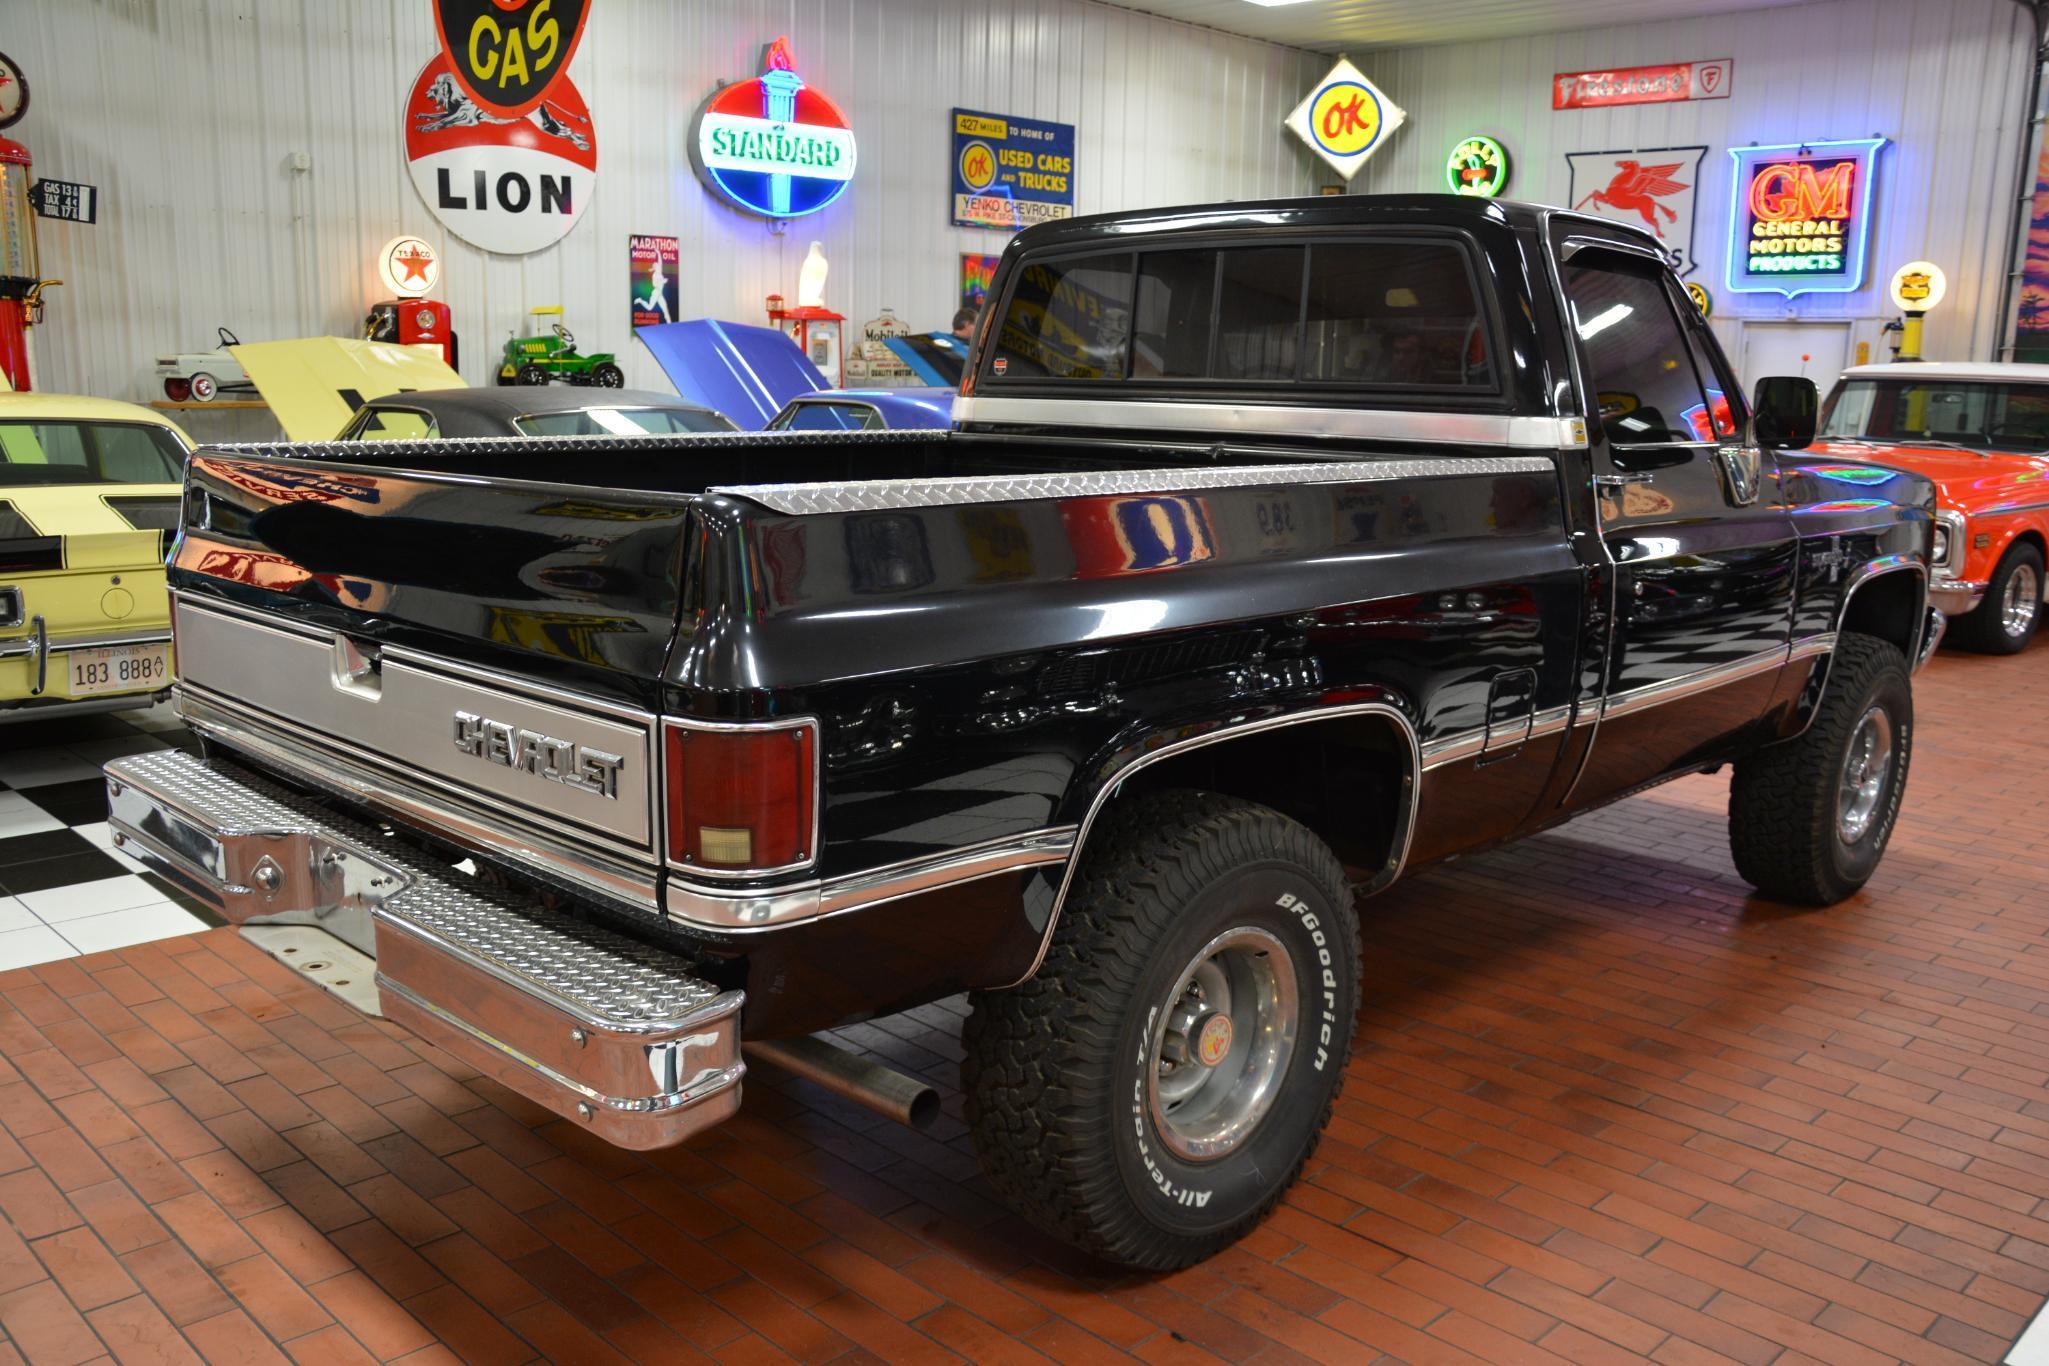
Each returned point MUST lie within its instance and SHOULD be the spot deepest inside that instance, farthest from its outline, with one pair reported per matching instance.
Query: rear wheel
(607, 376)
(532, 374)
(204, 387)
(1809, 819)
(1150, 1094)
(2006, 620)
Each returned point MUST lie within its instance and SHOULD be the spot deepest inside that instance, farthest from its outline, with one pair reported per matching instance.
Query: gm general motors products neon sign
(1800, 217)
(774, 145)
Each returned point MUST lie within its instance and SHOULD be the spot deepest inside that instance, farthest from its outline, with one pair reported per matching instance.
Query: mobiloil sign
(774, 145)
(1800, 217)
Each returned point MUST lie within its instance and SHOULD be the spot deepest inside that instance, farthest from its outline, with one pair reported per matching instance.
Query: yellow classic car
(89, 492)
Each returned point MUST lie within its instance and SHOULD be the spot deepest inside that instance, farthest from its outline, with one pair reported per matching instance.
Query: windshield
(389, 424)
(89, 453)
(1979, 415)
(826, 417)
(624, 422)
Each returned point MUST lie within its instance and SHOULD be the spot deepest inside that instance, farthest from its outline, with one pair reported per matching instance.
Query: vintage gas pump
(814, 327)
(409, 268)
(21, 282)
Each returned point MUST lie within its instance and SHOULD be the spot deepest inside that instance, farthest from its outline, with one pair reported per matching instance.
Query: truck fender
(1162, 757)
(1887, 598)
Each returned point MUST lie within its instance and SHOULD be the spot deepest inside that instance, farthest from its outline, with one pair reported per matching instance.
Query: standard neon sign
(1801, 216)
(774, 145)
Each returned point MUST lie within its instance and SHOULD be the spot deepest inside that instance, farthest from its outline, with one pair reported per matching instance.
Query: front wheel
(1150, 1094)
(1809, 818)
(2005, 621)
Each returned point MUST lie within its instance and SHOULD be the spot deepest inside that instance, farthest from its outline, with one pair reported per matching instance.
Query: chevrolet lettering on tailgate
(559, 761)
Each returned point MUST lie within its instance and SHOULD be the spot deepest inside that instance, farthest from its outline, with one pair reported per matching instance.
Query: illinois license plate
(118, 668)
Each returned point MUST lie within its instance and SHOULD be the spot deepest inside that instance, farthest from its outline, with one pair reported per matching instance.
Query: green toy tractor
(552, 355)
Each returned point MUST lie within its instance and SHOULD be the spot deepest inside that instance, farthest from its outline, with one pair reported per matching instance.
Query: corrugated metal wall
(1946, 80)
(187, 113)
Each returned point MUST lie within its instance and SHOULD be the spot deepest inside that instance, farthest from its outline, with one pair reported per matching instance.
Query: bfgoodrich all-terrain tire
(2005, 621)
(1809, 818)
(1152, 1091)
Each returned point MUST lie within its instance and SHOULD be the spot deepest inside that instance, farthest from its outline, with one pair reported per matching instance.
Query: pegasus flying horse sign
(1647, 188)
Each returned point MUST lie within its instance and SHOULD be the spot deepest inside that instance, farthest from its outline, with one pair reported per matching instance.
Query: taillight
(742, 799)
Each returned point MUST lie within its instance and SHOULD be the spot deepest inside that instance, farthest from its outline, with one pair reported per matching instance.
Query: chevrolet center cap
(1346, 119)
(507, 184)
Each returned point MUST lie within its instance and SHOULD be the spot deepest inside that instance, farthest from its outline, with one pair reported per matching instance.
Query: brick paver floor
(1603, 1107)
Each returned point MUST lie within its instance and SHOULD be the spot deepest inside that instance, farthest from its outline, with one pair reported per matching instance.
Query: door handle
(1616, 481)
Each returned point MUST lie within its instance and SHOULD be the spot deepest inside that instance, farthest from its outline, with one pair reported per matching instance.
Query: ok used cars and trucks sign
(507, 184)
(1010, 172)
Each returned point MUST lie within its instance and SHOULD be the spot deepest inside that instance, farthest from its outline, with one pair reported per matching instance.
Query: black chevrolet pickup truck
(1278, 550)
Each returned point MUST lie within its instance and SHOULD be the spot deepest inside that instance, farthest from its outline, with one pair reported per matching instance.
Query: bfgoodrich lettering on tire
(1809, 819)
(1150, 1094)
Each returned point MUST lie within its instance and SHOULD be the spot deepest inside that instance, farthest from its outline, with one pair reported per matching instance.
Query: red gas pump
(409, 267)
(413, 322)
(21, 282)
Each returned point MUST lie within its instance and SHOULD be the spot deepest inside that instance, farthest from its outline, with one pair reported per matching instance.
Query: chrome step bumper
(593, 1025)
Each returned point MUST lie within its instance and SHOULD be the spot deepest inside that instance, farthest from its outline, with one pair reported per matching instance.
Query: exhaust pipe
(884, 1090)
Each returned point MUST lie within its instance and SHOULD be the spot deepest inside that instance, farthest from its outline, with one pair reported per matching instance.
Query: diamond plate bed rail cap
(881, 495)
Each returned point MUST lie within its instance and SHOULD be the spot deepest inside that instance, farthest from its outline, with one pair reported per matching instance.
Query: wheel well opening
(1347, 779)
(1889, 607)
(2033, 538)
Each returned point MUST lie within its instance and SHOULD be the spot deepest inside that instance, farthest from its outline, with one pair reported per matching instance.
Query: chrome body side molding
(1693, 684)
(734, 910)
(1275, 419)
(879, 495)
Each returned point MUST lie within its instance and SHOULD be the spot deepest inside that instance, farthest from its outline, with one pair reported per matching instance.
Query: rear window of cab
(1401, 314)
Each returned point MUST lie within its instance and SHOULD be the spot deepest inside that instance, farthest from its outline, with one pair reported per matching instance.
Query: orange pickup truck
(1980, 430)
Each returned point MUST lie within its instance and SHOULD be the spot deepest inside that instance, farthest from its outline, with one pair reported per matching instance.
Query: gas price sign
(1801, 216)
(1009, 172)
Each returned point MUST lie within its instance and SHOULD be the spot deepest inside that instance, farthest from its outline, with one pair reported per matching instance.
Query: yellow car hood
(315, 384)
(93, 532)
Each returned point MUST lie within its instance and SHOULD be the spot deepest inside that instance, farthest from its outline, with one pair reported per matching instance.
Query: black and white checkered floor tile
(64, 890)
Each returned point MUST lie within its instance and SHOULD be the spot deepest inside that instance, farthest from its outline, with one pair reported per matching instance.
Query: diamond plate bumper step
(595, 1026)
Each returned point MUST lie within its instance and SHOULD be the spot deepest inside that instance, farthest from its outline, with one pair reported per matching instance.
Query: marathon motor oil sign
(774, 145)
(508, 184)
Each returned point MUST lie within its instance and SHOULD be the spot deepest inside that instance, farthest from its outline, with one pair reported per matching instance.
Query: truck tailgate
(564, 583)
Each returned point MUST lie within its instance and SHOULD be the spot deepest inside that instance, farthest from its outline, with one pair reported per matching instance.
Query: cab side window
(1638, 358)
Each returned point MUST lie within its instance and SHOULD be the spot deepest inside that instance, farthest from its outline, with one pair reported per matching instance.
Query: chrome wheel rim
(1866, 770)
(1222, 1039)
(2020, 602)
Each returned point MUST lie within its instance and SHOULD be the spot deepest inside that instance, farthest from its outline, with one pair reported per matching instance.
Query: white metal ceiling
(1357, 25)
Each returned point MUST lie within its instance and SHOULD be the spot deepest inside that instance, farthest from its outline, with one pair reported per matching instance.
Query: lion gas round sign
(509, 185)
